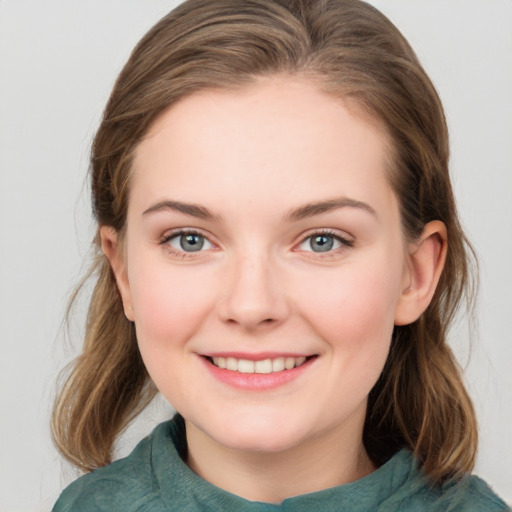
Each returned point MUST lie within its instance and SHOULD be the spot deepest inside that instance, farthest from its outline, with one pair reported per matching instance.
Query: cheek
(354, 308)
(169, 303)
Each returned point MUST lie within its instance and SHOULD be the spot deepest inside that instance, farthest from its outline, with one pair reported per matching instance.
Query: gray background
(58, 61)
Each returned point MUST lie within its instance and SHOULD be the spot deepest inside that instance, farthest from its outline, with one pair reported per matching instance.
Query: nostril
(266, 321)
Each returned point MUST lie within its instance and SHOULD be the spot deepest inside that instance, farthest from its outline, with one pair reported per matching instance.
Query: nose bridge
(253, 295)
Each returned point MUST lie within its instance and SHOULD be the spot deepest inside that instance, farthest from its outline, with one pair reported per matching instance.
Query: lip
(256, 381)
(260, 356)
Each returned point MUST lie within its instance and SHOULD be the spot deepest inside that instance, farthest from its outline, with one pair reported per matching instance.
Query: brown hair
(351, 50)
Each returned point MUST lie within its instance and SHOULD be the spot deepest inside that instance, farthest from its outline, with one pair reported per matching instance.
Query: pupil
(191, 242)
(322, 243)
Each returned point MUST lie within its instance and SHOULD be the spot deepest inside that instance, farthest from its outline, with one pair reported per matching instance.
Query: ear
(425, 264)
(112, 248)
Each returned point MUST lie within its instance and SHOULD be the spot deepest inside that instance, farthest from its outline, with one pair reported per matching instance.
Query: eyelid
(169, 235)
(345, 240)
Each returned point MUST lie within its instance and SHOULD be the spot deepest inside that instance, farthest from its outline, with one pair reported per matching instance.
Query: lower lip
(257, 381)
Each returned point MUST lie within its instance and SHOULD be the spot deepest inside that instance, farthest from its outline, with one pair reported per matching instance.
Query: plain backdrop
(58, 62)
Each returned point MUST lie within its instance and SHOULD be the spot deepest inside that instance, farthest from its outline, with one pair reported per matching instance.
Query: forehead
(273, 96)
(280, 133)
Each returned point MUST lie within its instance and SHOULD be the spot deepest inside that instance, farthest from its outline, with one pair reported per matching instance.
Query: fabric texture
(154, 478)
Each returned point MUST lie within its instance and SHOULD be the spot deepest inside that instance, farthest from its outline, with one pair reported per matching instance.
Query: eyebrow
(302, 212)
(317, 208)
(191, 209)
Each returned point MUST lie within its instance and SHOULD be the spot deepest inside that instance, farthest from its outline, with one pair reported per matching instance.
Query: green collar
(182, 489)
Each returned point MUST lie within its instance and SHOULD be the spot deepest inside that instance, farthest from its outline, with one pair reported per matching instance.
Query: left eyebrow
(316, 208)
(194, 210)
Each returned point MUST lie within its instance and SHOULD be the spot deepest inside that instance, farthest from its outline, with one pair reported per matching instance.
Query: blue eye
(189, 242)
(322, 242)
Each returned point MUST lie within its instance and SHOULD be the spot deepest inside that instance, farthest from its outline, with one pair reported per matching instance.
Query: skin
(253, 159)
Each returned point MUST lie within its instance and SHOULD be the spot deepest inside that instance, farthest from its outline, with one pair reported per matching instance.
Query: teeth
(245, 366)
(264, 366)
(231, 364)
(278, 364)
(289, 363)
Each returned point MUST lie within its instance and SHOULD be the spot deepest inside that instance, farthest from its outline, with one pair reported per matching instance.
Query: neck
(315, 465)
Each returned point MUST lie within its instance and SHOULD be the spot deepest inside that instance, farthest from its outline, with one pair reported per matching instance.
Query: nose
(253, 297)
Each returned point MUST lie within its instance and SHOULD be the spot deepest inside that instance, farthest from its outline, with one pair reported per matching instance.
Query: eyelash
(166, 239)
(328, 233)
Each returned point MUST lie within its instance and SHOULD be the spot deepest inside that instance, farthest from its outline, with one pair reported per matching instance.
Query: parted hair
(351, 51)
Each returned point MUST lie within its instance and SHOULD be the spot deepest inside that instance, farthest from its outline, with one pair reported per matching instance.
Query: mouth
(262, 366)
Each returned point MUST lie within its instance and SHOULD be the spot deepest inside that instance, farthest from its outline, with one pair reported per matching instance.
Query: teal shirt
(154, 478)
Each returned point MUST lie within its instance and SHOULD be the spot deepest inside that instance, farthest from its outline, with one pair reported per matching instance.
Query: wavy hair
(351, 51)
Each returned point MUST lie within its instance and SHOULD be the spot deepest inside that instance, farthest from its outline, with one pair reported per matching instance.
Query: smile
(262, 372)
(264, 366)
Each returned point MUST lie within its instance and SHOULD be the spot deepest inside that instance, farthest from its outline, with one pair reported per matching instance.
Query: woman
(281, 258)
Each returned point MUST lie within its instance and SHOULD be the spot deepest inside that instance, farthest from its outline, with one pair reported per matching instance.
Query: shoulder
(125, 485)
(414, 493)
(473, 494)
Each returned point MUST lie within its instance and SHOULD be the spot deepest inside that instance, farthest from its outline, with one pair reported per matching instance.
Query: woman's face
(264, 263)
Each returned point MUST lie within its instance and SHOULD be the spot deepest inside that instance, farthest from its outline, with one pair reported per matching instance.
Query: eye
(323, 242)
(188, 242)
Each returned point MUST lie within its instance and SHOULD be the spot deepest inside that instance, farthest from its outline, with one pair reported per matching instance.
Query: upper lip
(260, 356)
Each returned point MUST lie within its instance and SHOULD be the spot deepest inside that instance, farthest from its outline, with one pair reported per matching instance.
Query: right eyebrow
(194, 210)
(317, 208)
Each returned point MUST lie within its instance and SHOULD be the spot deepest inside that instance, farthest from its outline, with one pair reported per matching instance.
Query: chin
(259, 442)
(258, 433)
